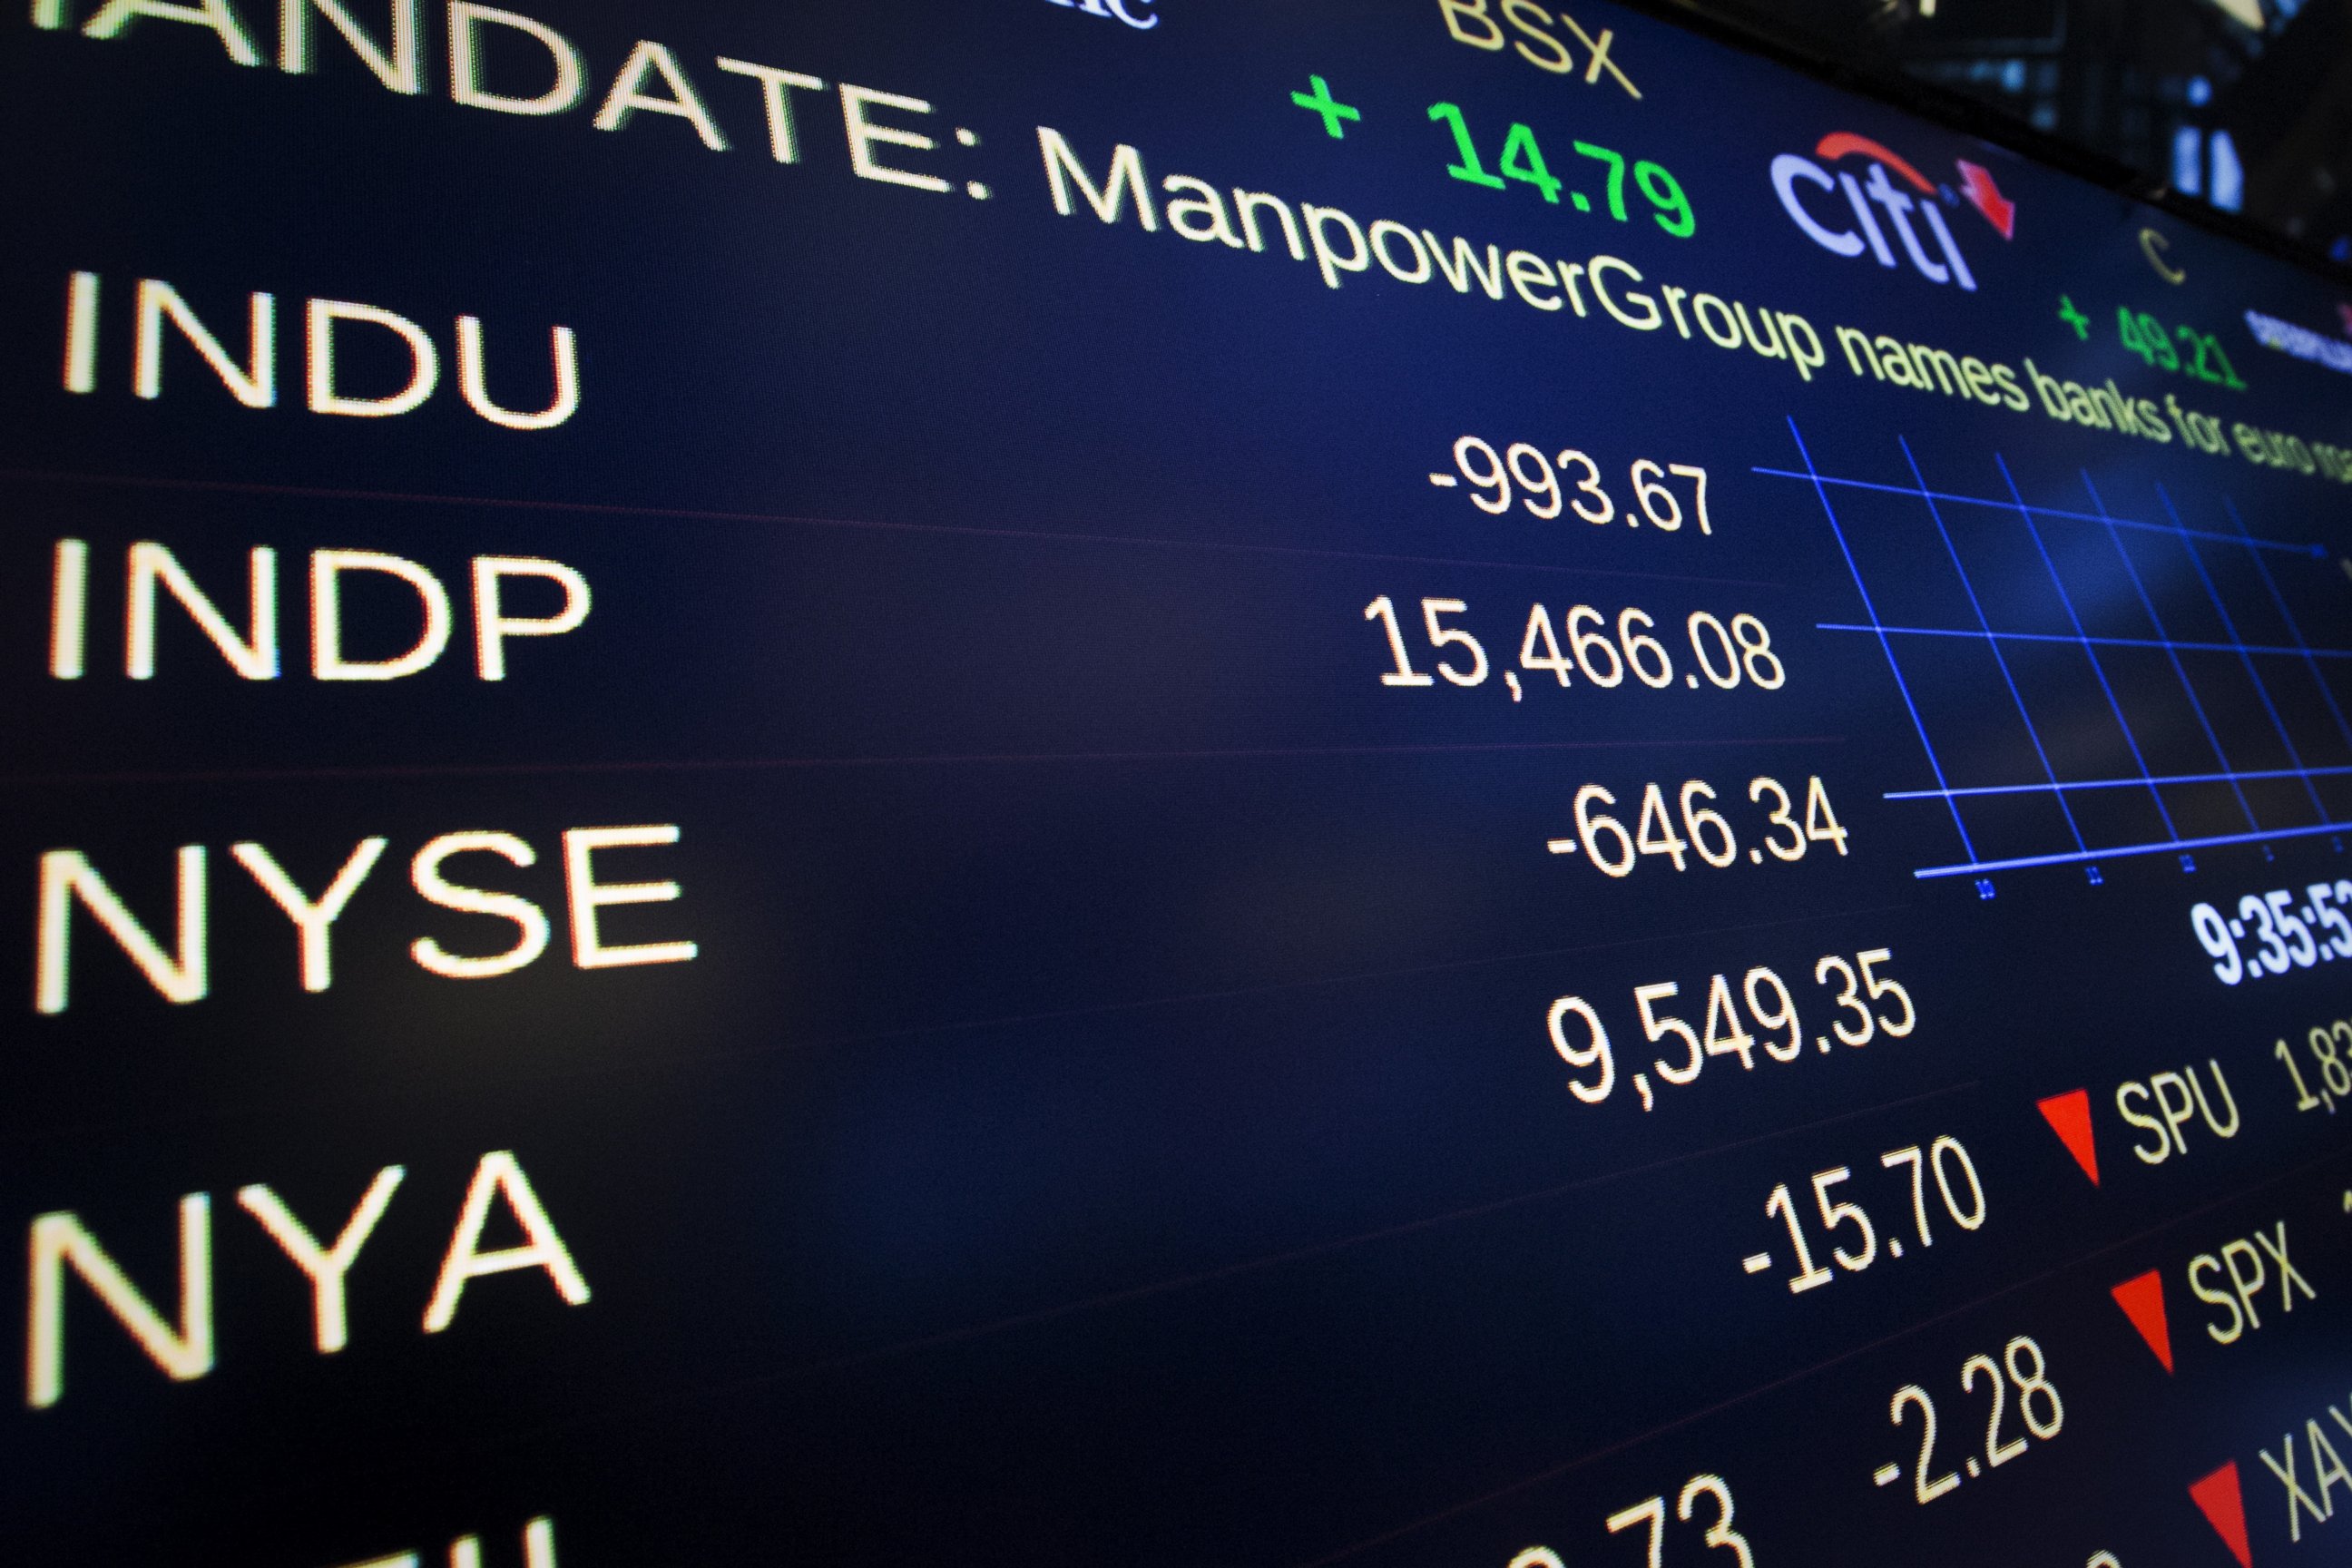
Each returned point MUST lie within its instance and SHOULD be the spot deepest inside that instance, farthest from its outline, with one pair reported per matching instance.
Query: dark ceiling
(2244, 105)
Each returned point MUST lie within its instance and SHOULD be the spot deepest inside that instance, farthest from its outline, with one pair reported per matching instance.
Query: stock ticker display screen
(1150, 782)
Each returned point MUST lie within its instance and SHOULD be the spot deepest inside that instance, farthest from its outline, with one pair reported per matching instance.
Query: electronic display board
(1152, 781)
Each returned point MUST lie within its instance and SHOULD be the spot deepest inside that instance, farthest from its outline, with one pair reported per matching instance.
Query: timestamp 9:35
(2286, 936)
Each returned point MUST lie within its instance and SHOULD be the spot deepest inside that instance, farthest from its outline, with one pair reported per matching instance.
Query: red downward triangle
(1986, 197)
(2224, 1508)
(2142, 1300)
(2069, 1116)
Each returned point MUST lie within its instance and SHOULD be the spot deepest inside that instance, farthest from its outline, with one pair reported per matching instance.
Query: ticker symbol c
(2153, 245)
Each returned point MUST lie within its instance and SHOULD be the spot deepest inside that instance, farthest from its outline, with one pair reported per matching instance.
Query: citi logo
(1874, 205)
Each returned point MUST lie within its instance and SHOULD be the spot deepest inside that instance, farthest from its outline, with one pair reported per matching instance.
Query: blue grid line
(1937, 514)
(2230, 626)
(2316, 551)
(1935, 765)
(2173, 647)
(2115, 783)
(2171, 652)
(2074, 618)
(2293, 630)
(2023, 862)
(2283, 652)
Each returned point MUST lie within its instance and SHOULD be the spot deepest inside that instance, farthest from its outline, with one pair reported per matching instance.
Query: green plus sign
(1321, 101)
(2074, 318)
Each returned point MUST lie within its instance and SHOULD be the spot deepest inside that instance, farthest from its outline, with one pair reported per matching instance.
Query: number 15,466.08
(1726, 656)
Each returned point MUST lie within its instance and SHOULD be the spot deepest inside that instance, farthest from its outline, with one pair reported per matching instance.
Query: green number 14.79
(1522, 159)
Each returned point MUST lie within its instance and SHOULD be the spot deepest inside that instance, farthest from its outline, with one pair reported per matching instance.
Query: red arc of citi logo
(1876, 206)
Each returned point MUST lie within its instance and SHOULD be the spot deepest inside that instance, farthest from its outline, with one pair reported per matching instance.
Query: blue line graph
(2192, 646)
(2087, 686)
(1821, 489)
